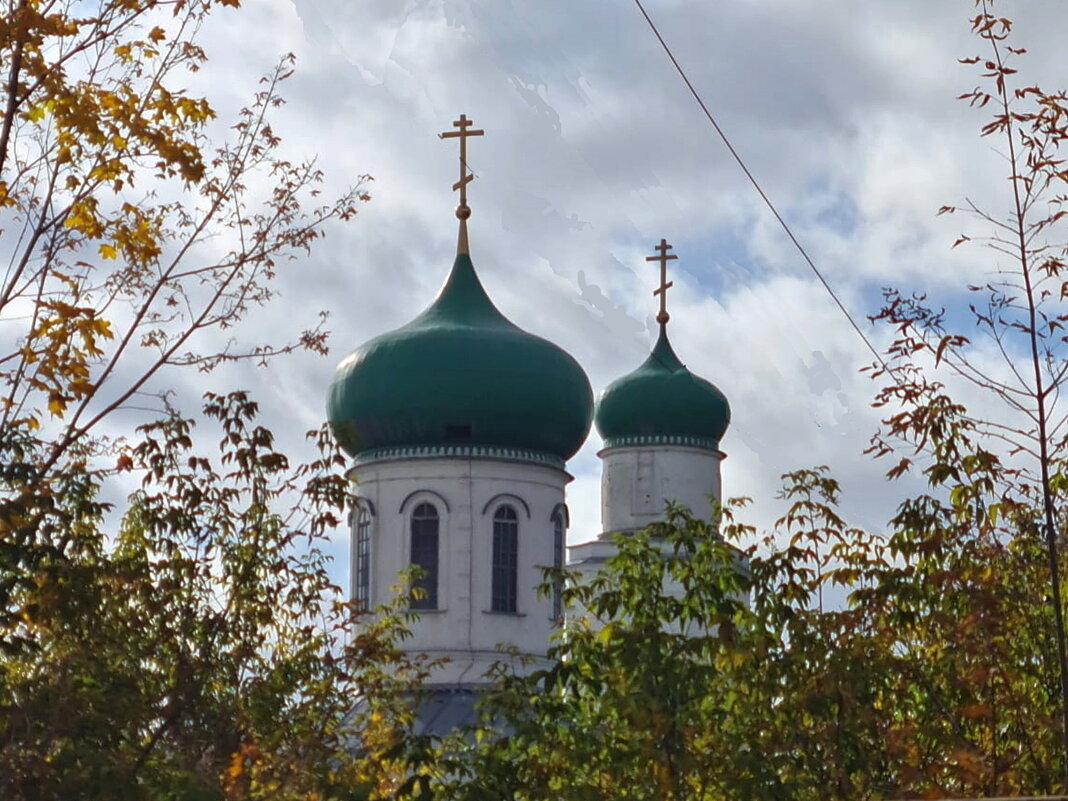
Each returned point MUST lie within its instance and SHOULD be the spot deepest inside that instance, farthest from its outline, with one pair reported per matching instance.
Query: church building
(460, 425)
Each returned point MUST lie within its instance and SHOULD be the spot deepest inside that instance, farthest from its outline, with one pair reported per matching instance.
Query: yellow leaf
(81, 387)
(108, 252)
(56, 405)
(30, 422)
(237, 766)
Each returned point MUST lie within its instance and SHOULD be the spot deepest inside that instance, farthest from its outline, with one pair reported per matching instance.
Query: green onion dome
(662, 403)
(460, 379)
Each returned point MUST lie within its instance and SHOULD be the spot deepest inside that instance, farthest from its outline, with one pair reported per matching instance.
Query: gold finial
(463, 211)
(663, 258)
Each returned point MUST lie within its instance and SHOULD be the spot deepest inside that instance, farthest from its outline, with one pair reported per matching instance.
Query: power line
(760, 191)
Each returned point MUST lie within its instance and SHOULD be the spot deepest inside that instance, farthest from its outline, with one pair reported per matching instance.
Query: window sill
(505, 614)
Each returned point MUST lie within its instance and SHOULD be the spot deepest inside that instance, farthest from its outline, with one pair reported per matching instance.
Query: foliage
(111, 192)
(204, 653)
(937, 679)
(623, 710)
(133, 244)
(188, 644)
(1008, 461)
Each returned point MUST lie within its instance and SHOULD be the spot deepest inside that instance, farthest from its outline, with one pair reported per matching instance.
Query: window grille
(424, 531)
(558, 563)
(362, 584)
(505, 559)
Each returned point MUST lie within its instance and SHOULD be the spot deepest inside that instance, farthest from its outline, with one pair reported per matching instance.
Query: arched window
(361, 568)
(424, 529)
(558, 563)
(505, 559)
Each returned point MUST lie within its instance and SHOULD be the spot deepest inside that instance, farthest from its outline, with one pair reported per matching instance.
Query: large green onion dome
(662, 403)
(460, 379)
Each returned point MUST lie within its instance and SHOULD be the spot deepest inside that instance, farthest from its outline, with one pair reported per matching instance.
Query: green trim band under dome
(678, 440)
(458, 452)
(461, 374)
(662, 403)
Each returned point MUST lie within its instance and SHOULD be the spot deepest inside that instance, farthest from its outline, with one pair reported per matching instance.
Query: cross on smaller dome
(665, 285)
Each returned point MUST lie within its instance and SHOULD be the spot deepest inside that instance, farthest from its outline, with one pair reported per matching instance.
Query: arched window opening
(424, 530)
(558, 563)
(505, 559)
(361, 587)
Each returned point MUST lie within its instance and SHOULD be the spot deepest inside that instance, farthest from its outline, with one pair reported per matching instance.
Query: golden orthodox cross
(463, 124)
(663, 258)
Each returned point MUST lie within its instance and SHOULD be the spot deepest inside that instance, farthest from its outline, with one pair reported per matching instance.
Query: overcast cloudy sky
(843, 109)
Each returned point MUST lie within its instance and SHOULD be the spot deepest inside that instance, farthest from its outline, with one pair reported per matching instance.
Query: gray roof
(443, 710)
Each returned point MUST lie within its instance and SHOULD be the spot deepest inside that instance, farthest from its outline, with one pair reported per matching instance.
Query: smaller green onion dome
(461, 379)
(662, 403)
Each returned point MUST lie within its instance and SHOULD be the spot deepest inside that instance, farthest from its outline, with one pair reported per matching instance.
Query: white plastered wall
(466, 493)
(636, 483)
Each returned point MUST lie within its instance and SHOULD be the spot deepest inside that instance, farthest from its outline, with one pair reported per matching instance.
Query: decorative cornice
(642, 440)
(457, 452)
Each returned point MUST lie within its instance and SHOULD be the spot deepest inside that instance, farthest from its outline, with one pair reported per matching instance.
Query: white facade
(636, 483)
(467, 494)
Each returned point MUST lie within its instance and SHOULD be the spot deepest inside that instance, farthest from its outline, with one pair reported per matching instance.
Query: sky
(844, 110)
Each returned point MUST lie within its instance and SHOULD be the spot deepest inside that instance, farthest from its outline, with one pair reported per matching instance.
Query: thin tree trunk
(1049, 526)
(12, 86)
